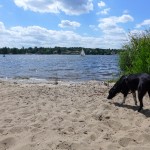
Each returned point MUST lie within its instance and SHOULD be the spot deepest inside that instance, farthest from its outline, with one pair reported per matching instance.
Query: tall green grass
(136, 55)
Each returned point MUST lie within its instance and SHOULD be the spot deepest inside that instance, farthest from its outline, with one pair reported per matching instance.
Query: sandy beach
(70, 116)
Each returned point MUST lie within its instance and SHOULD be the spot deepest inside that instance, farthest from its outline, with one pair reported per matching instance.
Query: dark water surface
(61, 67)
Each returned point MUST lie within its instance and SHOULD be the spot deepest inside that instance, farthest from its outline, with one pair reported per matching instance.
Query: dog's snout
(108, 97)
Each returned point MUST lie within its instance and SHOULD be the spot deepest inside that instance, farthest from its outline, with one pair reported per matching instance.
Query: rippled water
(61, 67)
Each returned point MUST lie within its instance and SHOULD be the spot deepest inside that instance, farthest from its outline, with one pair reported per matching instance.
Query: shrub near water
(136, 55)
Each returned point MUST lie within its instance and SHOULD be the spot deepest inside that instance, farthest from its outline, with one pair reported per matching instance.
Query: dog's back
(134, 81)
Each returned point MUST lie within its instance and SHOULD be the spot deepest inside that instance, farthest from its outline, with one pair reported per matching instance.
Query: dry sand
(70, 116)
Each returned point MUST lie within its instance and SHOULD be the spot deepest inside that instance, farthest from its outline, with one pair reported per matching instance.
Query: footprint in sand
(113, 146)
(125, 141)
(18, 129)
(7, 143)
(2, 131)
(63, 145)
(144, 138)
(112, 124)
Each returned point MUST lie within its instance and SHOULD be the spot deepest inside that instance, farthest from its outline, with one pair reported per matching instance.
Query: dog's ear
(125, 80)
(122, 80)
(123, 77)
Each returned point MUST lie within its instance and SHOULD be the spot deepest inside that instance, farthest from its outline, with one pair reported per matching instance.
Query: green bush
(136, 55)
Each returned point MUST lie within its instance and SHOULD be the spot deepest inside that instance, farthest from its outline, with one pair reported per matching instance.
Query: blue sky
(71, 23)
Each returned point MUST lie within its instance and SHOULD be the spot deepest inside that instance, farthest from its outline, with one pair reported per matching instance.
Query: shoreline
(74, 116)
(50, 81)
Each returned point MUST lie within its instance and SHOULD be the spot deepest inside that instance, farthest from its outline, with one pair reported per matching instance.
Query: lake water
(60, 67)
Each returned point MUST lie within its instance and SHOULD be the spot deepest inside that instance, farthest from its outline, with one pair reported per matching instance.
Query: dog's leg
(141, 94)
(125, 96)
(134, 97)
(141, 104)
(124, 99)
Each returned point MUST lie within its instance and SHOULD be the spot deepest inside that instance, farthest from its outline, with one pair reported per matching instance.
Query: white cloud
(113, 19)
(101, 4)
(70, 7)
(104, 11)
(2, 27)
(32, 36)
(136, 32)
(69, 24)
(144, 23)
(126, 11)
(124, 18)
(111, 29)
(111, 22)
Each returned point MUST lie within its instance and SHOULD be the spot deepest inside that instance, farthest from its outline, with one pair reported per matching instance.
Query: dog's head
(117, 88)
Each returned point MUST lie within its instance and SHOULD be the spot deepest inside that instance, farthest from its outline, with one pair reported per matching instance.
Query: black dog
(133, 82)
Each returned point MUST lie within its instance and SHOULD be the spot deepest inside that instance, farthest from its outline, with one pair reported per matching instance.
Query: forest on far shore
(58, 50)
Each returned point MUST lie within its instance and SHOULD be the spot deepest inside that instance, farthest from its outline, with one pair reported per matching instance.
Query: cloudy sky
(71, 23)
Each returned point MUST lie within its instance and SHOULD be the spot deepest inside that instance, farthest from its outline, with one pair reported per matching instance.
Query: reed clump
(136, 55)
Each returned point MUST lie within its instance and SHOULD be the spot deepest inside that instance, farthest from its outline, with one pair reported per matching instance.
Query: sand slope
(70, 117)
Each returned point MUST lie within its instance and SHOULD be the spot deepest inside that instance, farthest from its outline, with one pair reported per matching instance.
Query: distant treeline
(58, 50)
